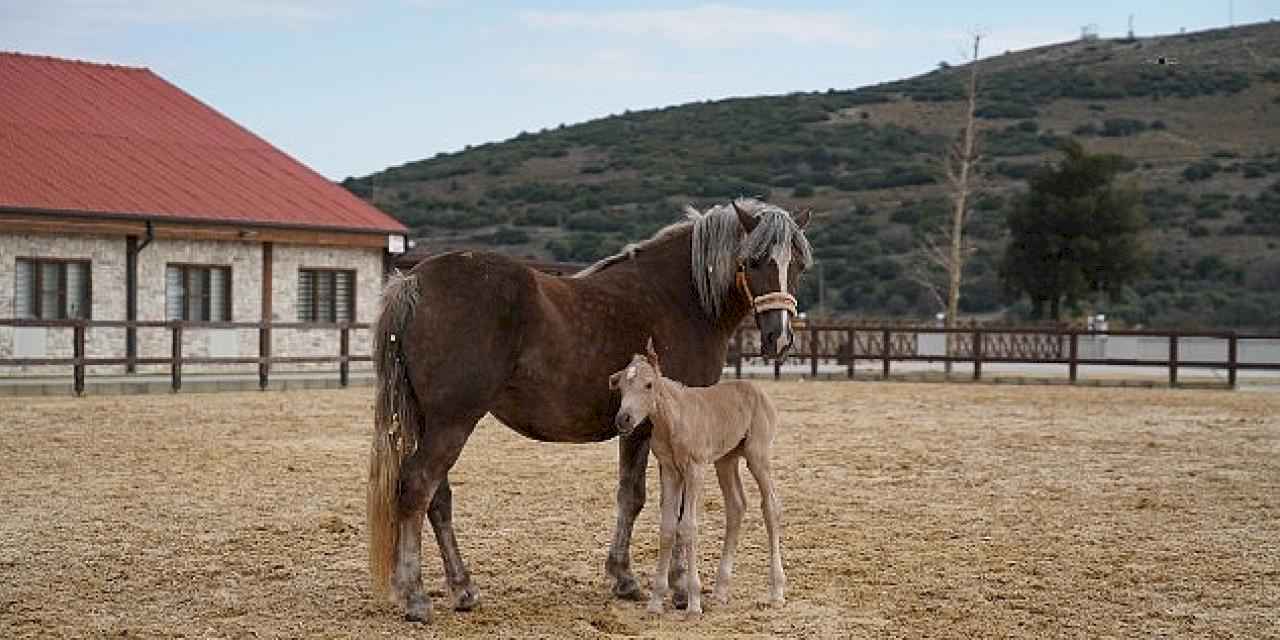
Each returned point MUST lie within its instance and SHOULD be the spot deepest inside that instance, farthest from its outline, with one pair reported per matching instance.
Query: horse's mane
(718, 244)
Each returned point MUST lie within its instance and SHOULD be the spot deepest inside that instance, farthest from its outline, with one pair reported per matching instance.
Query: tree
(1074, 232)
(939, 264)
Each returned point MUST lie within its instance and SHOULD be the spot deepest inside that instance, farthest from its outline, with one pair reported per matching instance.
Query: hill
(1198, 114)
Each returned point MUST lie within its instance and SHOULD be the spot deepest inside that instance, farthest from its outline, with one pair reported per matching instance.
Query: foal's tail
(396, 424)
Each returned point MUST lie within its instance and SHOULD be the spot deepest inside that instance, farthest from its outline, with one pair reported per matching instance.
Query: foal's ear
(802, 218)
(650, 354)
(615, 381)
(745, 218)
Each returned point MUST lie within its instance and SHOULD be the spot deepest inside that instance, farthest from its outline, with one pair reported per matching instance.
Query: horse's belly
(551, 419)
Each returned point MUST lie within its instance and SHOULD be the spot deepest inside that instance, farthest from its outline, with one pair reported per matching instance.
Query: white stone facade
(245, 259)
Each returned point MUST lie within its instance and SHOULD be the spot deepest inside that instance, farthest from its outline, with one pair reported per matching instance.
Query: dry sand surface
(911, 510)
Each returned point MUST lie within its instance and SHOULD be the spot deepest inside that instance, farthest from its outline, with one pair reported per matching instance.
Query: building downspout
(132, 249)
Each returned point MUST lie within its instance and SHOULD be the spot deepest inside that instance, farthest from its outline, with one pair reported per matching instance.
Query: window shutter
(50, 280)
(173, 293)
(217, 295)
(24, 291)
(306, 281)
(324, 296)
(197, 294)
(342, 295)
(77, 290)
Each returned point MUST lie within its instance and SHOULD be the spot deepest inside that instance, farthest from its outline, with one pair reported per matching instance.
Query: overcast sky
(350, 88)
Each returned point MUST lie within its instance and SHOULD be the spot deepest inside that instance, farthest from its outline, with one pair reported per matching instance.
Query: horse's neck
(668, 267)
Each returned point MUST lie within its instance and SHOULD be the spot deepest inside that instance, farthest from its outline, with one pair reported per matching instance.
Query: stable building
(124, 198)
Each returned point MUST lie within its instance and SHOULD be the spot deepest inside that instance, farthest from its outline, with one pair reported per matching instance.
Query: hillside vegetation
(1202, 137)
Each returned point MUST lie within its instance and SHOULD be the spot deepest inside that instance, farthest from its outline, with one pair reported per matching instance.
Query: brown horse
(469, 333)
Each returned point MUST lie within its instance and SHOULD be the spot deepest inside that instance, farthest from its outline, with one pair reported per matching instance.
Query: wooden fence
(846, 344)
(815, 343)
(79, 360)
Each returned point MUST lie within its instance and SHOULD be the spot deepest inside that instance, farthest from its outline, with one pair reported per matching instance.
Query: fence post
(977, 354)
(884, 348)
(175, 364)
(78, 351)
(737, 353)
(344, 343)
(777, 368)
(852, 349)
(1173, 360)
(264, 356)
(1232, 359)
(813, 351)
(1075, 355)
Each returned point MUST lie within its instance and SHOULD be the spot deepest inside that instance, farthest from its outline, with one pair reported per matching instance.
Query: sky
(354, 87)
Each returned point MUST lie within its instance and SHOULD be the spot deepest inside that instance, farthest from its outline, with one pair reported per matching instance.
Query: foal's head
(639, 395)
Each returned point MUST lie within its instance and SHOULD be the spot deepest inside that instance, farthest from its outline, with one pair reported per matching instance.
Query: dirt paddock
(910, 510)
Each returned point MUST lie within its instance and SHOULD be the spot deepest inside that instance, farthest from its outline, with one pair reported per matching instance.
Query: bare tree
(941, 255)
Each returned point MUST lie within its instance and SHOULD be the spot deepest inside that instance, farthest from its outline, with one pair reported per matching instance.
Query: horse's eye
(648, 385)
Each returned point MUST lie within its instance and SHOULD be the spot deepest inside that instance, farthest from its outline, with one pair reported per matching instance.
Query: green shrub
(1202, 170)
(1121, 127)
(1005, 110)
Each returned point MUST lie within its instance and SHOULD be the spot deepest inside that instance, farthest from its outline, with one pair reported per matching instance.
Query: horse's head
(774, 254)
(636, 384)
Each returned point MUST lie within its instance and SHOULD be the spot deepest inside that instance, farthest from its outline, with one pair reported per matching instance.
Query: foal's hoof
(627, 589)
(680, 600)
(467, 599)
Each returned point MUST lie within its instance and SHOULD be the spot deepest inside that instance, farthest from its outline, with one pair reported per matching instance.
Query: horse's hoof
(777, 601)
(418, 610)
(627, 589)
(467, 599)
(655, 607)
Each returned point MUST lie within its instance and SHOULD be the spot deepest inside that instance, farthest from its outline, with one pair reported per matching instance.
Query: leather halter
(772, 301)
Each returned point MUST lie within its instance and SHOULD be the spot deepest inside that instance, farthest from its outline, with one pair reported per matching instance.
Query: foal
(691, 427)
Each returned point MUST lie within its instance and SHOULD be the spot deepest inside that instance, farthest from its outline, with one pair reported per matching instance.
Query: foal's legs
(758, 463)
(456, 577)
(734, 505)
(688, 529)
(633, 458)
(671, 485)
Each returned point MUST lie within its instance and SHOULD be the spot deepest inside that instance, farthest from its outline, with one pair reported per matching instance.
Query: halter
(773, 301)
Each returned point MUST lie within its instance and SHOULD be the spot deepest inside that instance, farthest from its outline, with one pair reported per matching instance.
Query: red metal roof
(80, 137)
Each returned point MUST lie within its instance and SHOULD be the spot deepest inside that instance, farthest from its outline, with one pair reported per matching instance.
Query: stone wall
(107, 297)
(286, 261)
(107, 255)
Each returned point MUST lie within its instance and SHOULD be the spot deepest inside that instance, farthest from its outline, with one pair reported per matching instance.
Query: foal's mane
(718, 243)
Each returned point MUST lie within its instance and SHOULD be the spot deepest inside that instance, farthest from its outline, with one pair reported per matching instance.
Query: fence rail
(847, 343)
(79, 360)
(817, 343)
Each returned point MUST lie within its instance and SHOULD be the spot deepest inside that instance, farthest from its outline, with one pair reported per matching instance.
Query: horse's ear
(650, 354)
(802, 218)
(745, 218)
(615, 381)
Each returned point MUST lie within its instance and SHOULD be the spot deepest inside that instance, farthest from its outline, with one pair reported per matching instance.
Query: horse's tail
(396, 424)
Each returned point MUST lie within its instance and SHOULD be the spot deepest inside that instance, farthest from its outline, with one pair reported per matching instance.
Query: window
(52, 289)
(197, 293)
(326, 295)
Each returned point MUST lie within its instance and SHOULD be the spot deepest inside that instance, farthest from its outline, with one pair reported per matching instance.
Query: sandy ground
(911, 510)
